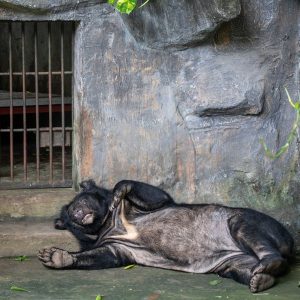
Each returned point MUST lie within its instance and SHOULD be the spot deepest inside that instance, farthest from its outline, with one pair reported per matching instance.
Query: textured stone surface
(179, 23)
(189, 120)
(47, 5)
(217, 89)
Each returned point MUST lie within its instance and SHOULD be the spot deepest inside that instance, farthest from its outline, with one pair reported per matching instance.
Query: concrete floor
(136, 283)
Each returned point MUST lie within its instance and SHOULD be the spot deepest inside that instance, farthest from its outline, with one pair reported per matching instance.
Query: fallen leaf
(153, 296)
(17, 289)
(99, 297)
(129, 267)
(215, 282)
(261, 294)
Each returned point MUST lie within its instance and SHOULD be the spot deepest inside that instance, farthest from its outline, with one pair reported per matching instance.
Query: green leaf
(129, 267)
(17, 289)
(99, 297)
(21, 258)
(215, 282)
(126, 6)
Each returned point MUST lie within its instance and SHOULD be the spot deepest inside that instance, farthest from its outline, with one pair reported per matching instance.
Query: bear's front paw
(56, 258)
(115, 203)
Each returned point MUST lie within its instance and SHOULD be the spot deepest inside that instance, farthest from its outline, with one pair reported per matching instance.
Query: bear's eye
(83, 201)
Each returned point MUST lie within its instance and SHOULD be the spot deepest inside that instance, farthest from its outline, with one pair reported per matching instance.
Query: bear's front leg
(99, 258)
(56, 258)
(144, 196)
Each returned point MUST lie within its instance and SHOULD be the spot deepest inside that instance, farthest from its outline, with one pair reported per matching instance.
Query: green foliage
(99, 297)
(125, 6)
(291, 135)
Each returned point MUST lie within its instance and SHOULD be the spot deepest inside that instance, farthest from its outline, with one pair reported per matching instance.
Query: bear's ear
(88, 185)
(59, 224)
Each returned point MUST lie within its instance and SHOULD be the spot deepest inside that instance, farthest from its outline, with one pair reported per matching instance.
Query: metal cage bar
(37, 112)
(50, 103)
(11, 124)
(73, 77)
(62, 67)
(24, 103)
(40, 73)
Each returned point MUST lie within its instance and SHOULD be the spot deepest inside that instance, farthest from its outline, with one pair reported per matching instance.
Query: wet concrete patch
(135, 283)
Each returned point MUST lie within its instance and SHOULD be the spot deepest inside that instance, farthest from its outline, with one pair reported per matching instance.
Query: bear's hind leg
(275, 266)
(240, 269)
(255, 243)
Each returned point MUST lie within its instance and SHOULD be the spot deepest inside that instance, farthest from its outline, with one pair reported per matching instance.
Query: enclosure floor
(136, 283)
(32, 166)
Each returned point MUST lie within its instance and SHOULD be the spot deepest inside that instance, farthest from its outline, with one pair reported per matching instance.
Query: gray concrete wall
(180, 97)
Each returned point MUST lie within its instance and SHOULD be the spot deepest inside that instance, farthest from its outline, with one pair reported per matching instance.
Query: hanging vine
(126, 6)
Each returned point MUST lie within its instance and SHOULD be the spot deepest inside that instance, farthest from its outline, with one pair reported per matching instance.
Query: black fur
(137, 223)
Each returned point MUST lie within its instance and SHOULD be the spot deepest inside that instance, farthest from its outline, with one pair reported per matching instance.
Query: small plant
(21, 258)
(292, 133)
(126, 6)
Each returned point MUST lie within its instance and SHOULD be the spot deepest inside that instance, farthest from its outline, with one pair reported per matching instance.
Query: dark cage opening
(36, 63)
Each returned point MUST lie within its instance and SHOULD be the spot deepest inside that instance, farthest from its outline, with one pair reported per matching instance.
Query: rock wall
(179, 93)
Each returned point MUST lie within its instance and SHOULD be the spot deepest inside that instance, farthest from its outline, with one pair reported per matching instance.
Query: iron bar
(11, 119)
(40, 73)
(36, 185)
(62, 67)
(24, 103)
(50, 103)
(72, 85)
(37, 113)
(42, 129)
